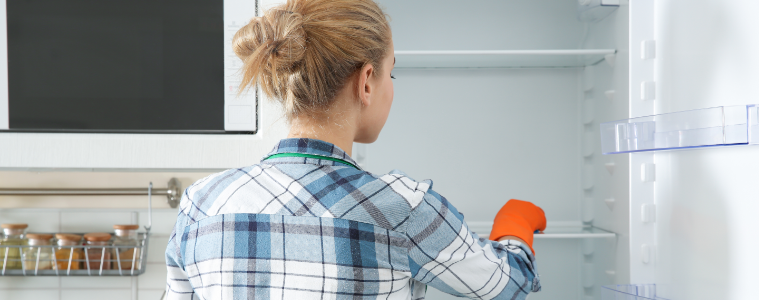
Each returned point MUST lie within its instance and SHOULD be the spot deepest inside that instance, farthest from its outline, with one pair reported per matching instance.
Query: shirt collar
(310, 146)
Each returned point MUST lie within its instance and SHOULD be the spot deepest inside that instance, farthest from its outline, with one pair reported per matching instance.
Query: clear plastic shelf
(571, 232)
(630, 292)
(709, 127)
(553, 231)
(501, 58)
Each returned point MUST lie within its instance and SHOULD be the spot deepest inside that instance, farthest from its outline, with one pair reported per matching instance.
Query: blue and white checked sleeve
(446, 255)
(177, 284)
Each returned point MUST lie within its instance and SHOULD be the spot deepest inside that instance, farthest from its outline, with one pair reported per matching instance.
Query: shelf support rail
(172, 192)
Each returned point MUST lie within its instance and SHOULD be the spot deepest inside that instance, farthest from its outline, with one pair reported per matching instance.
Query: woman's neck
(337, 125)
(338, 130)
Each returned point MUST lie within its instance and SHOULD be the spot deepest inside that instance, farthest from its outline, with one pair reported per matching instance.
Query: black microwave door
(116, 66)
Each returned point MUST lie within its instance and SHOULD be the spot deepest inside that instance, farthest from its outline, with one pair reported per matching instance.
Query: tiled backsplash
(148, 286)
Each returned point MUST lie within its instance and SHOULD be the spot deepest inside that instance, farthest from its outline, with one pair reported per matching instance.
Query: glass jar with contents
(96, 254)
(126, 235)
(37, 257)
(10, 256)
(66, 251)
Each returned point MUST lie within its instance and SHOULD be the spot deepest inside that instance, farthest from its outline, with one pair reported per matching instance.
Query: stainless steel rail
(173, 193)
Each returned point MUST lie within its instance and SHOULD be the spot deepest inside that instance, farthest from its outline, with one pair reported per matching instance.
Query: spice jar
(10, 256)
(96, 253)
(68, 252)
(38, 256)
(126, 257)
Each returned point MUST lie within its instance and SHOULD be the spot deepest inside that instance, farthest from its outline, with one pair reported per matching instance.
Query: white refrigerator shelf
(708, 127)
(574, 232)
(560, 230)
(566, 58)
(630, 292)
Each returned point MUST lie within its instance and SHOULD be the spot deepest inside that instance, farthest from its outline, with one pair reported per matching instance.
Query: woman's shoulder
(205, 190)
(396, 179)
(219, 178)
(384, 200)
(411, 190)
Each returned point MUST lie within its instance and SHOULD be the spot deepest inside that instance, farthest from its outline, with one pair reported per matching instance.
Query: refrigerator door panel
(705, 199)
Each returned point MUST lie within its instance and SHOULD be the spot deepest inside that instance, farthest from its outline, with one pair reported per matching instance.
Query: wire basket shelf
(82, 260)
(55, 260)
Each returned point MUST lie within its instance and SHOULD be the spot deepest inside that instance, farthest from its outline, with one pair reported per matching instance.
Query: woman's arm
(445, 254)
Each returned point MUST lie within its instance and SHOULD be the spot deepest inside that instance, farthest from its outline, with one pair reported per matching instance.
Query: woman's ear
(365, 84)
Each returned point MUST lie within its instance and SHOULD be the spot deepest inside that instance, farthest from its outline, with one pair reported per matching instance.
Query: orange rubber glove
(520, 219)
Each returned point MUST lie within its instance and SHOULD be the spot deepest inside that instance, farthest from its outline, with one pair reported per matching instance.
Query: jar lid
(126, 227)
(14, 226)
(97, 237)
(39, 236)
(68, 236)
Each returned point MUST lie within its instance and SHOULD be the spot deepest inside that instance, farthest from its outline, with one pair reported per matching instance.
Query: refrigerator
(541, 100)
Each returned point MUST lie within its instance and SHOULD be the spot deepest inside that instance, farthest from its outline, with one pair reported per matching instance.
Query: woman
(307, 222)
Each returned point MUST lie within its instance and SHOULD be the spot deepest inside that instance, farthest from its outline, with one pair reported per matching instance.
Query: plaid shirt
(309, 228)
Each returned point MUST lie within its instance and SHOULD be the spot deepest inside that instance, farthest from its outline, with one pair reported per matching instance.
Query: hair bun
(288, 46)
(277, 39)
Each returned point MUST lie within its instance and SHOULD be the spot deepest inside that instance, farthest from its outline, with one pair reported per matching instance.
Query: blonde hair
(302, 53)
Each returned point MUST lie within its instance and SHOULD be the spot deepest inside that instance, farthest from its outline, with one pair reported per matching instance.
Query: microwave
(124, 66)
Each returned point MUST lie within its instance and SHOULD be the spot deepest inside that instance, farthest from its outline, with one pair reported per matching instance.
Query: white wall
(706, 198)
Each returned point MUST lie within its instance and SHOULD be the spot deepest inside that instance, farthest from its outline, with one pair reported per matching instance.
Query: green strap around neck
(311, 156)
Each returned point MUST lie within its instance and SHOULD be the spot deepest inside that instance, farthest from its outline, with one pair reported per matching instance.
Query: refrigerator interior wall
(485, 135)
(706, 199)
(466, 130)
(608, 199)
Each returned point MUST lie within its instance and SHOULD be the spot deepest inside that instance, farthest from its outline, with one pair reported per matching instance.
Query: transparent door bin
(709, 127)
(630, 292)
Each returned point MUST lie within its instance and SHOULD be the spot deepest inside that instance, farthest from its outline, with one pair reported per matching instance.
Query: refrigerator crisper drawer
(709, 127)
(630, 292)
